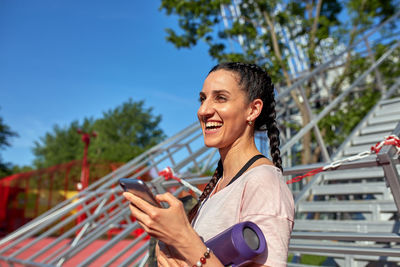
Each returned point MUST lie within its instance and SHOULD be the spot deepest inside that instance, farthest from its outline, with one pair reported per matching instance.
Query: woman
(236, 100)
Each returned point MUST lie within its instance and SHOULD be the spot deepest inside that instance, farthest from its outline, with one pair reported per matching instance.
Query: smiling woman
(237, 99)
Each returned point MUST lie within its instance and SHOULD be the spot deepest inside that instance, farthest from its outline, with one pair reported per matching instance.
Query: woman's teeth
(213, 125)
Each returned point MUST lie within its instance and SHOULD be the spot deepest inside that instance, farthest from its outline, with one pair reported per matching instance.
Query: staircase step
(355, 174)
(353, 150)
(350, 189)
(348, 206)
(365, 173)
(384, 119)
(372, 129)
(387, 111)
(347, 226)
(388, 102)
(370, 139)
(389, 107)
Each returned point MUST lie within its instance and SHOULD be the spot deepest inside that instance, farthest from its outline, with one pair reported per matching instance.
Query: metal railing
(102, 208)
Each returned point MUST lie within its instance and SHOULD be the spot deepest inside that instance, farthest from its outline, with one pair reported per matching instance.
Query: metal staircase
(348, 214)
(354, 202)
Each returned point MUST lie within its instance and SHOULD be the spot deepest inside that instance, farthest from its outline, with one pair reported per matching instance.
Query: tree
(61, 145)
(125, 132)
(260, 32)
(5, 134)
(259, 28)
(122, 134)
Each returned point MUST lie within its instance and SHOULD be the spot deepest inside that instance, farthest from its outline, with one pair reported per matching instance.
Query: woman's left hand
(169, 225)
(167, 256)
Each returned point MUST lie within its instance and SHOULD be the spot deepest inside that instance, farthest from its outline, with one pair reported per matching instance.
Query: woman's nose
(205, 109)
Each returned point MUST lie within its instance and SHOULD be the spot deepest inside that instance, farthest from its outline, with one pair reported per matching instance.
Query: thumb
(167, 197)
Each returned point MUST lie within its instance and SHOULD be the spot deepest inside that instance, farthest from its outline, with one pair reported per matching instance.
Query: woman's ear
(255, 109)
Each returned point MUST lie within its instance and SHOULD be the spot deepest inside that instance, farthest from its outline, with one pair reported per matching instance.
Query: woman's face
(224, 109)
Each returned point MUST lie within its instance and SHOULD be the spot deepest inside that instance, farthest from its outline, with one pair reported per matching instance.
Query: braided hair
(258, 85)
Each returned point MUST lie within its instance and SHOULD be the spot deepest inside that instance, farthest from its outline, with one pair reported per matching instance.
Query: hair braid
(207, 190)
(273, 134)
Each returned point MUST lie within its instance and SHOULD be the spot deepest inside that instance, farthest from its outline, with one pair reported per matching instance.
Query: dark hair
(258, 85)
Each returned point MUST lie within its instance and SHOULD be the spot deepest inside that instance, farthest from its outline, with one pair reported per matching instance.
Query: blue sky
(65, 60)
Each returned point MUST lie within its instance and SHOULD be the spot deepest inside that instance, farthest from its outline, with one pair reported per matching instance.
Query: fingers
(145, 221)
(162, 261)
(138, 202)
(169, 198)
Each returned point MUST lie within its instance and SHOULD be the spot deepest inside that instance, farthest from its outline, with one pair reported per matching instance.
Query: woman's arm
(171, 226)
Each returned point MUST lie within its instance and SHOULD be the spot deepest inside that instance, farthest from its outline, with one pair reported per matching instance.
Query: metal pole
(386, 158)
(317, 132)
(378, 75)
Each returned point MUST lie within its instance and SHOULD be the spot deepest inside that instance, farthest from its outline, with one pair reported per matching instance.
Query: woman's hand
(172, 227)
(167, 256)
(169, 225)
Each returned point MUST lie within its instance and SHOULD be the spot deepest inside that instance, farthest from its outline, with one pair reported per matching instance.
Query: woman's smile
(212, 126)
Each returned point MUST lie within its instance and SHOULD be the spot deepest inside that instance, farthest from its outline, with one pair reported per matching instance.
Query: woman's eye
(220, 98)
(201, 99)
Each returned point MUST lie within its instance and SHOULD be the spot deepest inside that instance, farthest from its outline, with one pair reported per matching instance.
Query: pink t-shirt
(260, 195)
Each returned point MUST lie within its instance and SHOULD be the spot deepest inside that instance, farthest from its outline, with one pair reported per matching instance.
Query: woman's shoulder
(265, 191)
(264, 174)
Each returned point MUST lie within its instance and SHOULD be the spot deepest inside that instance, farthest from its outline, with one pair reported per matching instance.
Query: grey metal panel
(386, 158)
(370, 139)
(378, 128)
(340, 257)
(382, 251)
(388, 111)
(387, 102)
(354, 188)
(347, 206)
(384, 119)
(393, 105)
(353, 150)
(347, 226)
(346, 236)
(367, 173)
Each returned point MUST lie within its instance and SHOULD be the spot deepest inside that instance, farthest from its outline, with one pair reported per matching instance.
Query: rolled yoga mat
(238, 244)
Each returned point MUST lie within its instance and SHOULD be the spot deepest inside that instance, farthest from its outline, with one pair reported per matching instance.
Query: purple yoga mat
(238, 244)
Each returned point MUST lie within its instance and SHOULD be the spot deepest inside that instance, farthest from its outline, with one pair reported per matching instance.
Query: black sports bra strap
(246, 166)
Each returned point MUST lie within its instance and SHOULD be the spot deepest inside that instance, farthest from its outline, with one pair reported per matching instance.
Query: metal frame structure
(103, 207)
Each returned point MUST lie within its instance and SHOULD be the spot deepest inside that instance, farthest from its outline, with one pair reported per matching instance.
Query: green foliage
(243, 38)
(122, 133)
(125, 132)
(200, 20)
(314, 260)
(5, 135)
(339, 124)
(364, 12)
(24, 168)
(63, 144)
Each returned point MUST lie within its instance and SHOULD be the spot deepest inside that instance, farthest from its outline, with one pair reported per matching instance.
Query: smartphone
(140, 189)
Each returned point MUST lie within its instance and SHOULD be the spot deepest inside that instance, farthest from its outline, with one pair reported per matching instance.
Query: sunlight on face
(223, 110)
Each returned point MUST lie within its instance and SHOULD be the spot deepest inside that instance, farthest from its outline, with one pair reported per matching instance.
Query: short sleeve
(268, 202)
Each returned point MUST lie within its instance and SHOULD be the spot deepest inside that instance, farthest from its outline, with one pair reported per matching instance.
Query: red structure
(85, 165)
(24, 196)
